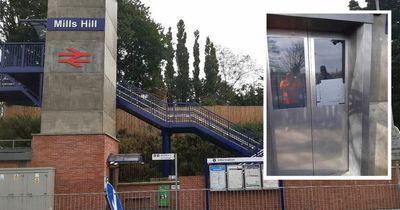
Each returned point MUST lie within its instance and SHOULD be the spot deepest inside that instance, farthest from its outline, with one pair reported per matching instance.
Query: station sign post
(170, 156)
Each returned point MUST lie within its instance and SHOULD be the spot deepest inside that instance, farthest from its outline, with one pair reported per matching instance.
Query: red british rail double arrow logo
(75, 56)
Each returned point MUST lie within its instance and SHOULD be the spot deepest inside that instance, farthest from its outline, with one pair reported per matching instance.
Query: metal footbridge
(21, 83)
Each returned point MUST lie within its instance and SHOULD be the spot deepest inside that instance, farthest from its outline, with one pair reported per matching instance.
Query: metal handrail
(22, 54)
(13, 142)
(186, 112)
(193, 106)
(7, 81)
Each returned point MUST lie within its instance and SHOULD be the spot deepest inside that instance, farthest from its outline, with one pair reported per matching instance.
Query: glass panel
(287, 71)
(329, 71)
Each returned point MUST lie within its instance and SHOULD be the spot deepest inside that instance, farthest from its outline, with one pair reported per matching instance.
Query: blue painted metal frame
(187, 118)
(15, 86)
(166, 148)
(282, 194)
(207, 184)
(152, 103)
(22, 57)
(28, 58)
(181, 127)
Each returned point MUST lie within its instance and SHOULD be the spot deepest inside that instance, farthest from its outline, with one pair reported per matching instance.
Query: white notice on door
(330, 92)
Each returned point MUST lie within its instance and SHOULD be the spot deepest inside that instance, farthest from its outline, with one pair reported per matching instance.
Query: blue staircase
(21, 73)
(21, 82)
(187, 118)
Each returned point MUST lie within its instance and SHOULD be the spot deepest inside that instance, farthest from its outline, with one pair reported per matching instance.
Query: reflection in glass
(287, 71)
(329, 71)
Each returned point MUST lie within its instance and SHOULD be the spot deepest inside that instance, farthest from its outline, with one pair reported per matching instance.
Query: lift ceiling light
(115, 160)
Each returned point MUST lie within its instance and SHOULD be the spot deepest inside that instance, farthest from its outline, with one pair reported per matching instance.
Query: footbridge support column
(166, 148)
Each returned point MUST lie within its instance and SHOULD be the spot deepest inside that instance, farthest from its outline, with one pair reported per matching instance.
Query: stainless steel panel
(329, 120)
(289, 143)
(309, 140)
(330, 140)
(291, 136)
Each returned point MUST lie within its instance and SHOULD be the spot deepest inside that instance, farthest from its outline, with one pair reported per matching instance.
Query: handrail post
(173, 110)
(190, 119)
(2, 55)
(23, 55)
(42, 55)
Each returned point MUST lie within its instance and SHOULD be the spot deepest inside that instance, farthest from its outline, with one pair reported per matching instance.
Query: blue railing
(7, 81)
(29, 55)
(189, 112)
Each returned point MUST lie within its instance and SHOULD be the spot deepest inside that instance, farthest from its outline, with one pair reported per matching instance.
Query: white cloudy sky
(236, 24)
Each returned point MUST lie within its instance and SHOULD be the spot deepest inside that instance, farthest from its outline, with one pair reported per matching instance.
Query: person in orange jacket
(291, 89)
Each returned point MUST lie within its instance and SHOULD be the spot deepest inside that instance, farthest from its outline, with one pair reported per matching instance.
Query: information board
(217, 177)
(252, 176)
(235, 177)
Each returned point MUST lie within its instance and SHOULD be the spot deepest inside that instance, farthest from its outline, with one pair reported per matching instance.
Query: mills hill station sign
(75, 24)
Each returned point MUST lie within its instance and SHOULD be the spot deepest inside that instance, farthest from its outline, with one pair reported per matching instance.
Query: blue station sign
(75, 24)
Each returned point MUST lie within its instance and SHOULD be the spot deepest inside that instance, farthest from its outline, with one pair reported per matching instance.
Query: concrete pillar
(166, 148)
(79, 102)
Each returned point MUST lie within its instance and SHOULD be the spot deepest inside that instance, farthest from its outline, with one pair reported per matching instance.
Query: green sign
(163, 196)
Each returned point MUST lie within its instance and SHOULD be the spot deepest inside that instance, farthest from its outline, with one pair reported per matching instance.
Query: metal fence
(15, 144)
(384, 196)
(151, 171)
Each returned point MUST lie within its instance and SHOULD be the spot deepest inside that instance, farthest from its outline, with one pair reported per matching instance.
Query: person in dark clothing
(324, 75)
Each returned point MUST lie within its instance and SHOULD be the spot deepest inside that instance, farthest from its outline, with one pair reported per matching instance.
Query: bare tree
(237, 69)
(293, 58)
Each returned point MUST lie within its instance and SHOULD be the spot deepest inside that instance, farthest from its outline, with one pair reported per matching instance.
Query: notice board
(252, 176)
(217, 177)
(235, 177)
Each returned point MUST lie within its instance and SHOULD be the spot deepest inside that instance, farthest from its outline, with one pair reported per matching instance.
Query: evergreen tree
(196, 71)
(10, 13)
(353, 5)
(212, 79)
(182, 60)
(169, 69)
(140, 46)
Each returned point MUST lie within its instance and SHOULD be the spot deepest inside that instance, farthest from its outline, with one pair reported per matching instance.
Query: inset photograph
(327, 95)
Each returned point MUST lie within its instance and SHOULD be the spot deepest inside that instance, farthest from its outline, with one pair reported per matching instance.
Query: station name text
(75, 24)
